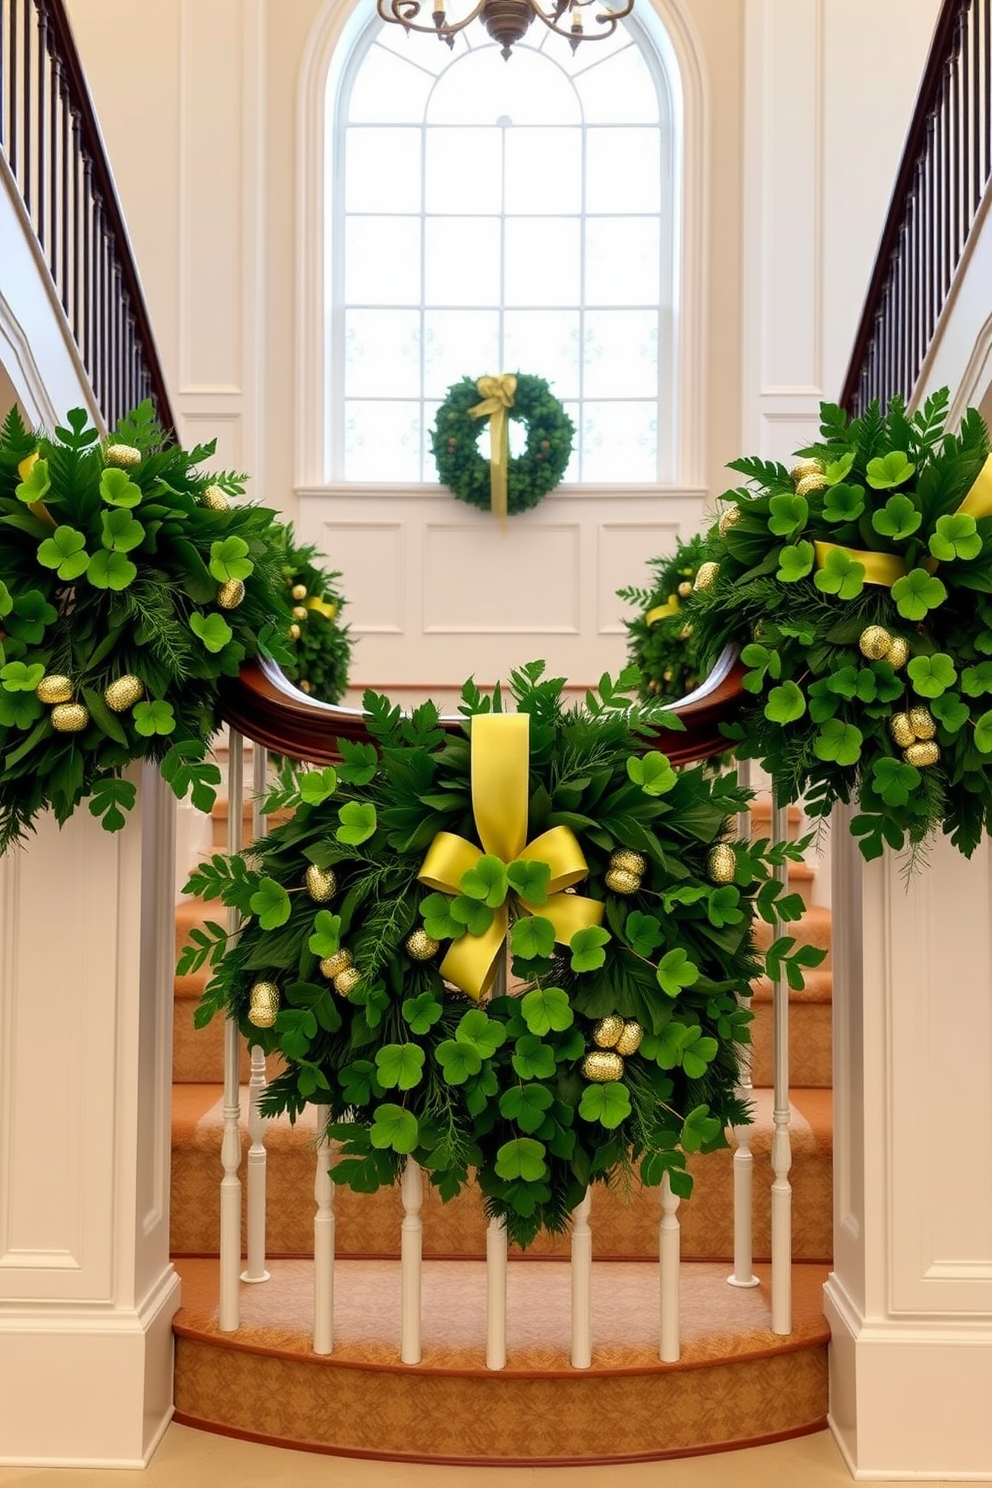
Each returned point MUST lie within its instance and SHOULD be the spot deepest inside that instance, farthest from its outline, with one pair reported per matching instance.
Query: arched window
(484, 215)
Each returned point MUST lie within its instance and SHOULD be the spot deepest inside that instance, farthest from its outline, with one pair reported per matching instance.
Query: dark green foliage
(665, 650)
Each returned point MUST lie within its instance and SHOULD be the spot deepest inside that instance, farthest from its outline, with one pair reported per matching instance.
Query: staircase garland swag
(375, 920)
(661, 641)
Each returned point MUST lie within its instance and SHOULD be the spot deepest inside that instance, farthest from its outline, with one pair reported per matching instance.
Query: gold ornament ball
(54, 689)
(810, 483)
(69, 718)
(321, 883)
(898, 653)
(630, 1039)
(123, 454)
(684, 589)
(300, 612)
(721, 864)
(621, 881)
(230, 594)
(728, 519)
(123, 693)
(299, 591)
(706, 575)
(333, 966)
(922, 754)
(607, 1031)
(901, 730)
(264, 1004)
(922, 722)
(303, 685)
(803, 468)
(214, 499)
(295, 632)
(686, 631)
(629, 861)
(346, 981)
(602, 1065)
(875, 642)
(420, 946)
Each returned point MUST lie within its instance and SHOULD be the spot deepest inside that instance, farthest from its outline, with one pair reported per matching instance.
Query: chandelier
(507, 20)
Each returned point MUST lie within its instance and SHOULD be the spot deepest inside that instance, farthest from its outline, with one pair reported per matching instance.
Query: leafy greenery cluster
(666, 650)
(110, 567)
(321, 652)
(411, 1067)
(825, 719)
(460, 466)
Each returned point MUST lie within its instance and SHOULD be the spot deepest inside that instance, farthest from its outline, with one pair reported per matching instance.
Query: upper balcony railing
(945, 171)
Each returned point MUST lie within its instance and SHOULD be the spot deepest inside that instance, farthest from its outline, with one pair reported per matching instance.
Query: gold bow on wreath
(663, 611)
(500, 766)
(497, 394)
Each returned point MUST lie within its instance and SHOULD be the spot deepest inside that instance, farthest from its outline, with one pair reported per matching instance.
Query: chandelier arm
(405, 11)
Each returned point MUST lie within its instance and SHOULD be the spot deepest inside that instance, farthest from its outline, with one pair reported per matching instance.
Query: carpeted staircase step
(625, 1224)
(736, 1384)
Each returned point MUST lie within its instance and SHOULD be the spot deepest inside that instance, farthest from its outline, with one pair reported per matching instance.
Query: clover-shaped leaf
(844, 682)
(785, 703)
(121, 532)
(471, 915)
(118, 489)
(723, 907)
(527, 1105)
(976, 680)
(358, 1082)
(823, 703)
(609, 1104)
(6, 601)
(956, 536)
(270, 903)
(399, 1066)
(586, 946)
(395, 1129)
(950, 711)
(840, 574)
(35, 485)
(932, 675)
(326, 937)
(486, 881)
(358, 822)
(439, 922)
(19, 709)
(983, 733)
(155, 717)
(532, 936)
(546, 1009)
(839, 468)
(897, 519)
(30, 617)
(676, 971)
(18, 676)
(886, 471)
(652, 772)
(762, 661)
(644, 933)
(229, 560)
(422, 1012)
(529, 878)
(484, 1034)
(838, 741)
(317, 786)
(916, 593)
(111, 571)
(213, 630)
(698, 1052)
(523, 1158)
(894, 781)
(843, 503)
(700, 1130)
(458, 1061)
(65, 551)
(532, 1059)
(788, 514)
(795, 562)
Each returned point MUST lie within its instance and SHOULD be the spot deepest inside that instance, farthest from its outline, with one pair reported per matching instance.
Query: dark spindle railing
(944, 174)
(51, 140)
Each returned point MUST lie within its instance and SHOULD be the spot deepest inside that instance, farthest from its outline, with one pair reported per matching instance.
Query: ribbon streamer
(500, 767)
(663, 611)
(880, 568)
(978, 502)
(322, 607)
(498, 394)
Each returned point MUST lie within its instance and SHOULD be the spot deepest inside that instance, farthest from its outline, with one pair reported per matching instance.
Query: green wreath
(455, 438)
(368, 947)
(320, 645)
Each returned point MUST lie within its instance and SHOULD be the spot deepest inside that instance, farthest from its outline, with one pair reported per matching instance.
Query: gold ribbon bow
(322, 607)
(500, 768)
(663, 611)
(497, 394)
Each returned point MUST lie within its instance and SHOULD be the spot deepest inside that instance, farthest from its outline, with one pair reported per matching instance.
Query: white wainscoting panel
(523, 581)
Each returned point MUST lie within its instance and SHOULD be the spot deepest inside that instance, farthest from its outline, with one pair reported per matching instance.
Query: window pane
(622, 260)
(545, 343)
(388, 89)
(381, 441)
(620, 354)
(382, 170)
(620, 442)
(429, 59)
(461, 261)
(457, 344)
(480, 88)
(464, 170)
(382, 354)
(623, 167)
(543, 170)
(382, 260)
(542, 261)
(619, 90)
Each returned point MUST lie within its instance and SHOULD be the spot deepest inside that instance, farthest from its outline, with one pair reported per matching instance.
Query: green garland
(455, 438)
(665, 649)
(620, 1051)
(320, 645)
(860, 589)
(128, 586)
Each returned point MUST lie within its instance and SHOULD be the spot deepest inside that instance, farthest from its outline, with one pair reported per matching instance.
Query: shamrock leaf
(840, 574)
(326, 937)
(838, 741)
(155, 717)
(527, 1105)
(652, 773)
(317, 786)
(788, 514)
(837, 469)
(65, 551)
(36, 485)
(394, 1128)
(19, 709)
(111, 571)
(487, 881)
(531, 1059)
(531, 937)
(30, 616)
(950, 711)
(843, 503)
(795, 563)
(523, 1157)
(228, 559)
(121, 532)
(438, 920)
(956, 537)
(17, 676)
(894, 781)
(422, 1012)
(270, 903)
(212, 630)
(762, 661)
(399, 1066)
(530, 879)
(458, 1061)
(676, 971)
(586, 946)
(358, 822)
(609, 1104)
(785, 703)
(118, 489)
(699, 1130)
(889, 470)
(698, 1052)
(644, 933)
(897, 519)
(933, 675)
(916, 593)
(722, 908)
(483, 1033)
(546, 1009)
(844, 682)
(471, 915)
(823, 702)
(983, 733)
(110, 798)
(977, 679)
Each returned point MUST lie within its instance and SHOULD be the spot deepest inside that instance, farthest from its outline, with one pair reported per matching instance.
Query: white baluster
(743, 1273)
(230, 1152)
(669, 1255)
(781, 1193)
(496, 1295)
(255, 1270)
(411, 1262)
(582, 1284)
(323, 1241)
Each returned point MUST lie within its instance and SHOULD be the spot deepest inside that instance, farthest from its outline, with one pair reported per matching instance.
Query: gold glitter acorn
(602, 1065)
(630, 1040)
(300, 612)
(346, 981)
(295, 632)
(803, 468)
(214, 499)
(875, 642)
(721, 864)
(901, 730)
(420, 946)
(728, 519)
(706, 575)
(810, 483)
(628, 860)
(230, 594)
(303, 685)
(607, 1031)
(321, 883)
(922, 722)
(686, 631)
(264, 1004)
(922, 754)
(684, 589)
(898, 653)
(123, 693)
(54, 689)
(299, 591)
(621, 881)
(69, 718)
(332, 966)
(123, 454)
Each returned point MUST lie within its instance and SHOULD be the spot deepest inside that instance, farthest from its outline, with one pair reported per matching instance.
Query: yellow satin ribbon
(500, 765)
(663, 611)
(322, 607)
(978, 502)
(497, 394)
(39, 508)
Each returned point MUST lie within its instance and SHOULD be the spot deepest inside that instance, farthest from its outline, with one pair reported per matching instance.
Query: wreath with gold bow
(859, 587)
(504, 483)
(377, 920)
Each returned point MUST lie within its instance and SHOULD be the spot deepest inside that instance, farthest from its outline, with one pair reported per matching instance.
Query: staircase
(737, 1383)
